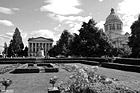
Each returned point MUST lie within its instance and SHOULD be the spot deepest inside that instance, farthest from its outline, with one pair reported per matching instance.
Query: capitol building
(35, 45)
(114, 29)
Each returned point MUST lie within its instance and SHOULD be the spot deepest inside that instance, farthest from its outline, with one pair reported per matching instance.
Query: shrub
(87, 80)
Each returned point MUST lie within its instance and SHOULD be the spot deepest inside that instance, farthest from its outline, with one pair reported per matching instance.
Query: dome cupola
(113, 17)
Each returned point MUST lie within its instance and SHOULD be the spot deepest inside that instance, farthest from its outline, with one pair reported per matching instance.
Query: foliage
(134, 39)
(16, 45)
(6, 83)
(25, 51)
(91, 41)
(61, 47)
(53, 80)
(5, 49)
(87, 80)
(10, 50)
(8, 68)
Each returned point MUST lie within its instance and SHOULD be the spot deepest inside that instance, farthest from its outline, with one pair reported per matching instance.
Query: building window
(119, 27)
(110, 26)
(113, 26)
(106, 27)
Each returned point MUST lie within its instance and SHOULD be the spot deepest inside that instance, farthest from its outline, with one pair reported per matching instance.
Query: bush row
(44, 64)
(130, 61)
(51, 69)
(18, 71)
(124, 67)
(90, 62)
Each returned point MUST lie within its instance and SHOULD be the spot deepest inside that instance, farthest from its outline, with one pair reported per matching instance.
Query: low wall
(124, 67)
(130, 61)
(17, 60)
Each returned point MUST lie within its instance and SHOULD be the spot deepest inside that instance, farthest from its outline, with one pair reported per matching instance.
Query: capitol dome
(113, 17)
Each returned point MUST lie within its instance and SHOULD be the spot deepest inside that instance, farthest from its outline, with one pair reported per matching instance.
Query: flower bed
(44, 64)
(18, 71)
(51, 69)
(26, 69)
(86, 80)
(8, 68)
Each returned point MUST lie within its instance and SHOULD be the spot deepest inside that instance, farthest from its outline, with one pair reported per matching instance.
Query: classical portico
(34, 45)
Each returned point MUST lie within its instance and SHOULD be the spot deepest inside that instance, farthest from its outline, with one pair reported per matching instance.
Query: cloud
(6, 10)
(9, 11)
(129, 10)
(3, 37)
(101, 0)
(6, 23)
(73, 22)
(62, 18)
(75, 28)
(101, 24)
(16, 9)
(58, 28)
(45, 33)
(62, 7)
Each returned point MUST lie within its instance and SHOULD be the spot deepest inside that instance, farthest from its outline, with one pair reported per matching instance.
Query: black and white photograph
(69, 46)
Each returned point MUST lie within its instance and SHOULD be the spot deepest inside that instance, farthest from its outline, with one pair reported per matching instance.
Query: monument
(40, 52)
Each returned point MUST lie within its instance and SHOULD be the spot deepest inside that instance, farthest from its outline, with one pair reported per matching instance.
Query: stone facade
(35, 44)
(114, 28)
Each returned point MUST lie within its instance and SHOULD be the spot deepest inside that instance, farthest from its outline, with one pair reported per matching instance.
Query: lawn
(33, 83)
(39, 82)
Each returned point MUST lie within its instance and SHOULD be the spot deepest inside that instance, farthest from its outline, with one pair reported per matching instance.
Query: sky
(49, 18)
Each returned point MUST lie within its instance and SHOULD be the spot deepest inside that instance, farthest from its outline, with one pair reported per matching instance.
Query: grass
(33, 83)
(39, 82)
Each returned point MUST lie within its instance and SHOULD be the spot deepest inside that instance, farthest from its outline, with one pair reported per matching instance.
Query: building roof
(113, 17)
(41, 38)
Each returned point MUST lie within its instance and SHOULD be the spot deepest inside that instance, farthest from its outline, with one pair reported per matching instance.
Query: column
(35, 50)
(31, 48)
(45, 48)
(48, 46)
(28, 49)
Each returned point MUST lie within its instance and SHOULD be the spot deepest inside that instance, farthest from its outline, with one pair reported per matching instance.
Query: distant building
(35, 44)
(114, 28)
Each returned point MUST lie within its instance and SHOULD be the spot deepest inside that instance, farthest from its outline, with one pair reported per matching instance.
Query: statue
(40, 52)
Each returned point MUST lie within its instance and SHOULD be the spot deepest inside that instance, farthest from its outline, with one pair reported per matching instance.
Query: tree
(5, 52)
(25, 52)
(91, 41)
(16, 45)
(134, 39)
(61, 47)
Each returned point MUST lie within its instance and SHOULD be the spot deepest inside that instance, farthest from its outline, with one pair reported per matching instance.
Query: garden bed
(26, 68)
(87, 80)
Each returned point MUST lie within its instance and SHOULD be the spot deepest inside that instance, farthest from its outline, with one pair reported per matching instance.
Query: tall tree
(91, 40)
(134, 39)
(16, 44)
(61, 47)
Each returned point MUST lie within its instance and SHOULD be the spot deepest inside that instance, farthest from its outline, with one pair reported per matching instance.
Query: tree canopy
(134, 39)
(61, 47)
(16, 45)
(91, 41)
